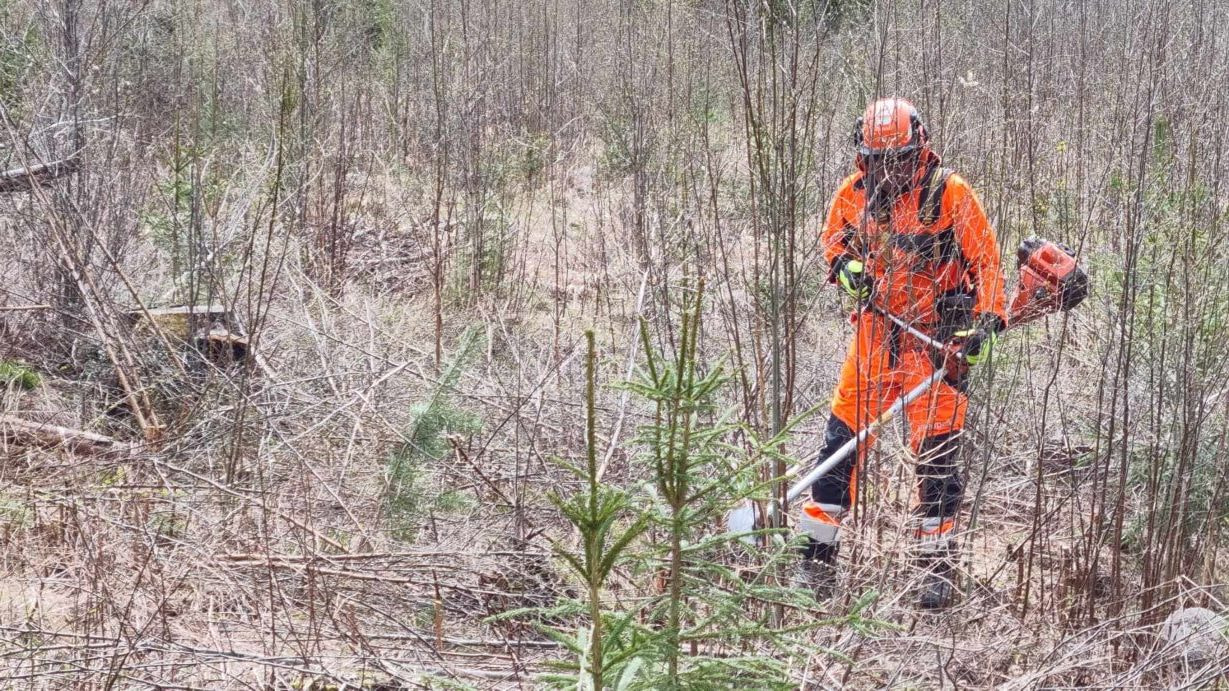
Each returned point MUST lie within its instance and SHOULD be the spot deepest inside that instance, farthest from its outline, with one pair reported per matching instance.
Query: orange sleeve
(979, 246)
(840, 228)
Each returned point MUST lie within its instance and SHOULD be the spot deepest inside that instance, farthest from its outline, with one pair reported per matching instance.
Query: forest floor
(268, 557)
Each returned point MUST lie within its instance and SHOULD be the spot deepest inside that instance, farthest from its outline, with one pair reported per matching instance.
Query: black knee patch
(833, 488)
(939, 476)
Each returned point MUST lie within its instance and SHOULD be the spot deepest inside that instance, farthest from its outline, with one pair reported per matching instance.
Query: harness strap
(931, 201)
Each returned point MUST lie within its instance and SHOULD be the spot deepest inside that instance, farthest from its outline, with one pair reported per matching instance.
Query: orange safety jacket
(936, 242)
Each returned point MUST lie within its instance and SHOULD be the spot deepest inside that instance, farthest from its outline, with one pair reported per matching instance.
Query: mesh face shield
(889, 174)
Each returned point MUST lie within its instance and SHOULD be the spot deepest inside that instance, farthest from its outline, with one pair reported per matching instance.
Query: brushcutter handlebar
(953, 356)
(910, 329)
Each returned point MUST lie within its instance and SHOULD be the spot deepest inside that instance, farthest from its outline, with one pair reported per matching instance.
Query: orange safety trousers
(883, 364)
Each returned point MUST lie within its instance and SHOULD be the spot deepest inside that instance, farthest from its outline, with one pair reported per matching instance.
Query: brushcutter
(1049, 281)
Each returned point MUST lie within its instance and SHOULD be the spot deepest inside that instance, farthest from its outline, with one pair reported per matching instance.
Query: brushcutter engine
(1050, 281)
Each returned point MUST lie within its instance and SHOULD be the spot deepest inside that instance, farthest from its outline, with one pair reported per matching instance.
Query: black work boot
(938, 590)
(817, 571)
(937, 554)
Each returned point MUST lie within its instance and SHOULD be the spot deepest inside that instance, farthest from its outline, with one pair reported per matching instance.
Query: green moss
(20, 375)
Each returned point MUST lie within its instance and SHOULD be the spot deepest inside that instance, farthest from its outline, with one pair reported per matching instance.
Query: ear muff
(923, 136)
(857, 146)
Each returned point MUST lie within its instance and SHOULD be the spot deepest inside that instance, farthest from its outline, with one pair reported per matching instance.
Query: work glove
(977, 343)
(852, 276)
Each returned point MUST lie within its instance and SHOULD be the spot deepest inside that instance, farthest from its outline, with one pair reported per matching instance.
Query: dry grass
(153, 569)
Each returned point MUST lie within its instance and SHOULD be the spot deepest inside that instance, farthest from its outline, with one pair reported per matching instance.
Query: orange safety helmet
(889, 125)
(892, 150)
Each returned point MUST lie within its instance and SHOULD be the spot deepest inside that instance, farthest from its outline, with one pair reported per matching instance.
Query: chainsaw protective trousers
(882, 365)
(940, 485)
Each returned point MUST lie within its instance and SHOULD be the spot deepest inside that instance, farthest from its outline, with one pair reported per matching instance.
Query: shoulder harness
(931, 201)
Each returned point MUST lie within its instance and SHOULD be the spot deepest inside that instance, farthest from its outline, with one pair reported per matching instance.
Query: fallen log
(22, 179)
(24, 308)
(25, 433)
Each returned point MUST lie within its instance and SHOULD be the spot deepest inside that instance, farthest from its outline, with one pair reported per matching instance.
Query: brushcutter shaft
(911, 330)
(842, 453)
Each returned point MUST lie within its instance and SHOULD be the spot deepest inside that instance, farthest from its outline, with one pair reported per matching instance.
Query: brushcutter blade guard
(1050, 281)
